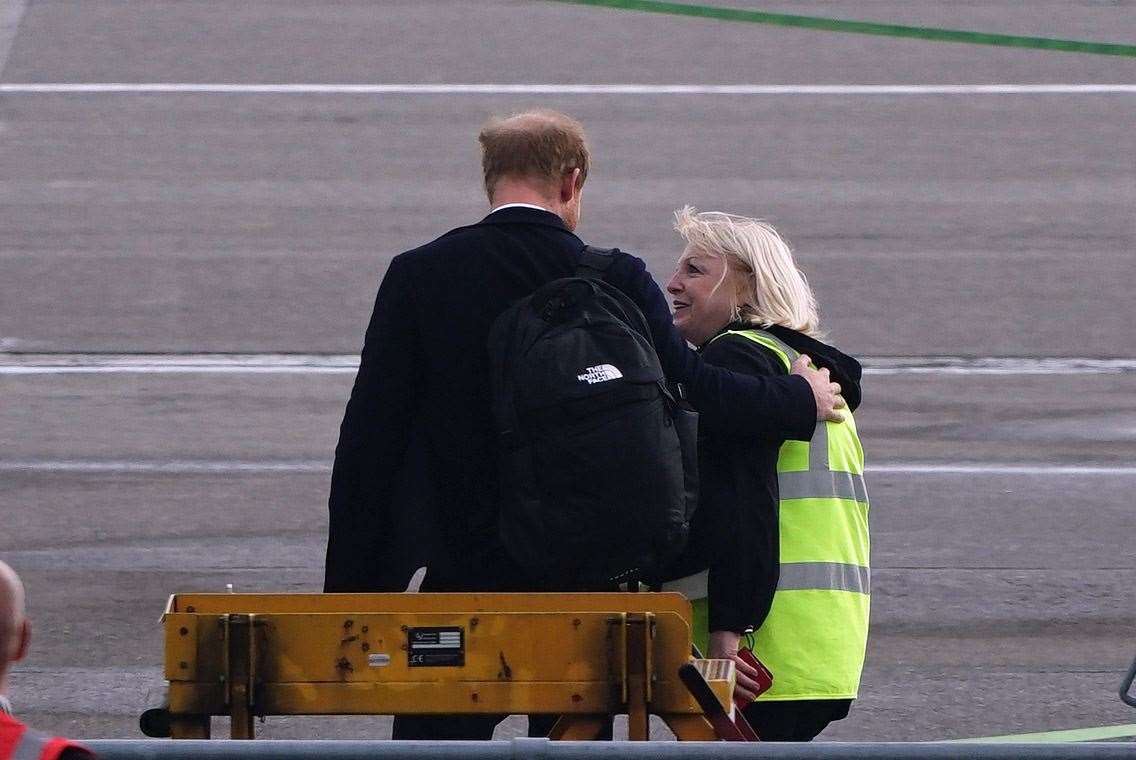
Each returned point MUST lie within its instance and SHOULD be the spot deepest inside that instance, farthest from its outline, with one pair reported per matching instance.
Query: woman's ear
(744, 298)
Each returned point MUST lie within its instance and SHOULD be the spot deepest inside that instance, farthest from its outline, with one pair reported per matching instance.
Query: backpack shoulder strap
(594, 262)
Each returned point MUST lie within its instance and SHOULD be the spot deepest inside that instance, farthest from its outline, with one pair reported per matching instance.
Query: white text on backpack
(601, 373)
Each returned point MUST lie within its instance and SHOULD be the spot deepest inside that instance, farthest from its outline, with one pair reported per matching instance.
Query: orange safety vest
(18, 742)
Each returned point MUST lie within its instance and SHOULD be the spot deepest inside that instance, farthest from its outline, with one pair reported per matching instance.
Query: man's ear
(570, 184)
(25, 639)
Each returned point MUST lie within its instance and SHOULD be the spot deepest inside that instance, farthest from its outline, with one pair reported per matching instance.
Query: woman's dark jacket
(735, 530)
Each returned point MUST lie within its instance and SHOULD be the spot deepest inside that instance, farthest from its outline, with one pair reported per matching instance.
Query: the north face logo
(601, 373)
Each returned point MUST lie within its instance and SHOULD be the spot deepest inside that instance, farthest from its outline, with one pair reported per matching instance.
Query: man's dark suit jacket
(414, 482)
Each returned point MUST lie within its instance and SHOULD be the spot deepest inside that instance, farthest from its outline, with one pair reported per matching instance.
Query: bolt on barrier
(539, 749)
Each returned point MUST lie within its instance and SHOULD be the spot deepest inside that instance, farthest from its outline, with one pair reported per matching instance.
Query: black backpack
(598, 459)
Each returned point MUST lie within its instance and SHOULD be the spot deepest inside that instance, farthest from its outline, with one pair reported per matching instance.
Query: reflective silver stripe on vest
(822, 485)
(818, 448)
(29, 747)
(692, 586)
(818, 445)
(786, 349)
(824, 576)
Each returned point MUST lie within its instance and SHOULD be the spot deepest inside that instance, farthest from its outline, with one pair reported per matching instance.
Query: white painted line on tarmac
(915, 468)
(175, 370)
(236, 467)
(97, 364)
(65, 364)
(959, 365)
(171, 467)
(97, 88)
(180, 369)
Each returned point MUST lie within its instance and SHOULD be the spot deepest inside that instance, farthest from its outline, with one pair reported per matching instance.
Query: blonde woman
(781, 526)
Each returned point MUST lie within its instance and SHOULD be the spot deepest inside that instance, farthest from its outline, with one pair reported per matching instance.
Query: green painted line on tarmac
(1073, 735)
(861, 27)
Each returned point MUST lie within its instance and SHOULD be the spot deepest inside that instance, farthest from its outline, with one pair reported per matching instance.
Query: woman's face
(701, 295)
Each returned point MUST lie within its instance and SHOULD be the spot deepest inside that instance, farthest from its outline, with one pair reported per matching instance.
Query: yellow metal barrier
(581, 656)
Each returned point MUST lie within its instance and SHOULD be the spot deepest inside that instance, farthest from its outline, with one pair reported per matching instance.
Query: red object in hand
(764, 676)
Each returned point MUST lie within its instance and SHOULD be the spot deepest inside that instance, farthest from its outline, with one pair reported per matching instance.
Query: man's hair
(772, 291)
(538, 145)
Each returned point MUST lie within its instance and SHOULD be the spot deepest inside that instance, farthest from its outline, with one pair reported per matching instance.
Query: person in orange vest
(17, 741)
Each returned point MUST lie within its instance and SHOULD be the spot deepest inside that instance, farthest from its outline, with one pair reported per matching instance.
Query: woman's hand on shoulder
(826, 393)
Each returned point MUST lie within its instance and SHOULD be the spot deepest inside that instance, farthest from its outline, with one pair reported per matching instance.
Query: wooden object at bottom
(576, 655)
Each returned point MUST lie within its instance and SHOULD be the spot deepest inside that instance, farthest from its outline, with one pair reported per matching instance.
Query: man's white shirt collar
(518, 205)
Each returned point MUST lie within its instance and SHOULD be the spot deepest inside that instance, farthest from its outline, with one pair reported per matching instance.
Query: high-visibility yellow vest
(815, 635)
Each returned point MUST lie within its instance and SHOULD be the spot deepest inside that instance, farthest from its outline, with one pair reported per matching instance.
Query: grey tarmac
(930, 225)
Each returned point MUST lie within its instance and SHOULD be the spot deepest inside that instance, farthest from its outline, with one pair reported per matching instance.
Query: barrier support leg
(639, 649)
(241, 647)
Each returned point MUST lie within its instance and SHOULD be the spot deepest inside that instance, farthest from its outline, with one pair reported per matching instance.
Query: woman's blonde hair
(771, 291)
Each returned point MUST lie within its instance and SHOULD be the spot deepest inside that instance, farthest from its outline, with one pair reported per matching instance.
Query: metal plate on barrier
(434, 647)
